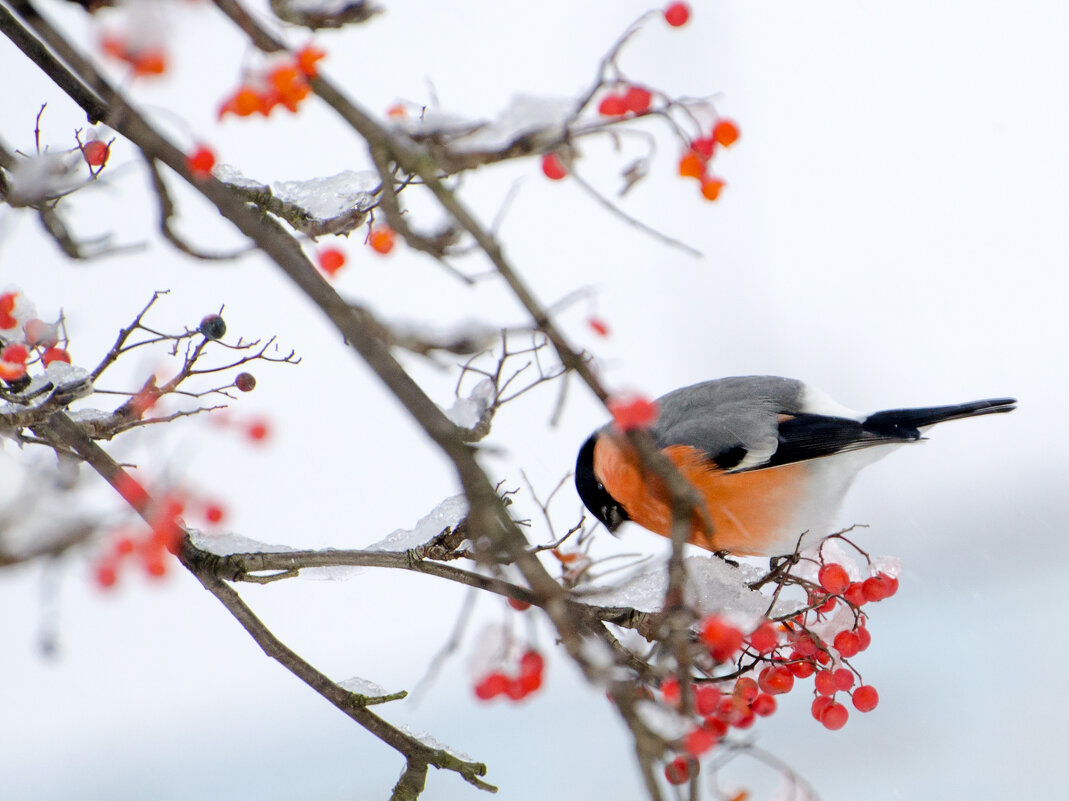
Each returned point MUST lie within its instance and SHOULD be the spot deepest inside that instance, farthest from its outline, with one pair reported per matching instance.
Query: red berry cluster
(24, 342)
(789, 650)
(165, 532)
(626, 100)
(695, 161)
(143, 59)
(527, 680)
(284, 83)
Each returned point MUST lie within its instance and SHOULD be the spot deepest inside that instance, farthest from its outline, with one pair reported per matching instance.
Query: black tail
(906, 423)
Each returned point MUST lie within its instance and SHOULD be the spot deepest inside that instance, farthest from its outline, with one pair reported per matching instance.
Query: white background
(893, 232)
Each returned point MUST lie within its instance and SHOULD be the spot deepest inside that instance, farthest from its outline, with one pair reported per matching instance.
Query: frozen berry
(833, 578)
(213, 327)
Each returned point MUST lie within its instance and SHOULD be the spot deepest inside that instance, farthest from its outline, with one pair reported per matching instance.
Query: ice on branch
(468, 412)
(526, 117)
(226, 543)
(430, 742)
(318, 206)
(327, 198)
(60, 383)
(362, 687)
(713, 586)
(445, 515)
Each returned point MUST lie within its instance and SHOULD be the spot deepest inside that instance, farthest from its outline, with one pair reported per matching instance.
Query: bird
(771, 458)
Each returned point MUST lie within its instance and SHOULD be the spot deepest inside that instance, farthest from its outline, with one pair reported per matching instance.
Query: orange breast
(750, 511)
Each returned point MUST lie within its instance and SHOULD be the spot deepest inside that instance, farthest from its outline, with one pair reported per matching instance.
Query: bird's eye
(601, 486)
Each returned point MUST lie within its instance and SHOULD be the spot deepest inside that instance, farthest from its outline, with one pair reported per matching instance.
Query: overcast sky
(892, 232)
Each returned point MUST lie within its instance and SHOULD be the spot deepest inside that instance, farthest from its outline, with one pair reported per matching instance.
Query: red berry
(706, 698)
(834, 716)
(844, 678)
(612, 106)
(381, 239)
(105, 575)
(130, 490)
(863, 637)
(820, 703)
(805, 646)
(670, 690)
(307, 57)
(633, 412)
(855, 594)
(516, 689)
(532, 663)
(801, 670)
(716, 725)
(677, 14)
(530, 682)
(16, 352)
(763, 705)
(124, 546)
(678, 770)
(494, 684)
(200, 161)
(699, 741)
(764, 638)
(726, 132)
(828, 605)
(245, 382)
(7, 305)
(847, 643)
(96, 153)
(331, 260)
(598, 326)
(519, 606)
(746, 688)
(892, 583)
(54, 354)
(552, 167)
(722, 639)
(637, 99)
(825, 683)
(876, 588)
(833, 578)
(866, 698)
(214, 513)
(776, 679)
(711, 188)
(704, 146)
(258, 431)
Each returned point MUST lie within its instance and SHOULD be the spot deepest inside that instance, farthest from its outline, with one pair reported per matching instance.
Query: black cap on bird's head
(593, 493)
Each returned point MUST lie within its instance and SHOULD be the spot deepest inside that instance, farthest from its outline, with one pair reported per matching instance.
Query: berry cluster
(25, 340)
(695, 161)
(150, 548)
(283, 83)
(626, 100)
(525, 681)
(144, 59)
(780, 653)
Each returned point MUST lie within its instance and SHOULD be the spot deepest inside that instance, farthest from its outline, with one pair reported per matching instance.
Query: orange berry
(381, 239)
(692, 165)
(307, 58)
(726, 132)
(711, 188)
